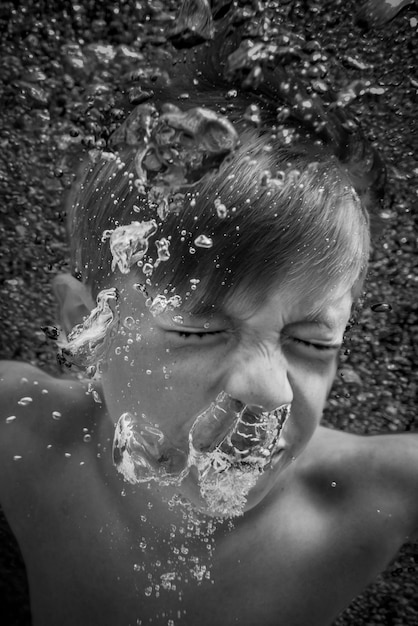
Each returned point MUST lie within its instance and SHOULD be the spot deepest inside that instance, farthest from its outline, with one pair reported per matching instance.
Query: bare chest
(87, 565)
(292, 562)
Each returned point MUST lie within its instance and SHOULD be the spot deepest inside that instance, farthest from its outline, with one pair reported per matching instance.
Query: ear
(74, 300)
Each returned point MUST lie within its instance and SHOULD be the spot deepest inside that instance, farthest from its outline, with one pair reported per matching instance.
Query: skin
(264, 356)
(314, 535)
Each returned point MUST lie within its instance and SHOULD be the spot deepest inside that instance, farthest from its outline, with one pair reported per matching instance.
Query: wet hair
(295, 197)
(310, 231)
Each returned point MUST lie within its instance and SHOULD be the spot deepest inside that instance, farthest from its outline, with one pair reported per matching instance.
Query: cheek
(311, 390)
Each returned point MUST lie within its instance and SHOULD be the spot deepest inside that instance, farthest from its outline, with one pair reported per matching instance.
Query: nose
(259, 379)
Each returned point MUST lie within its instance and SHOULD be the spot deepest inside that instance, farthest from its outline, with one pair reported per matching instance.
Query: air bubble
(25, 401)
(87, 438)
(381, 307)
(202, 241)
(221, 209)
(148, 269)
(129, 322)
(162, 246)
(56, 415)
(10, 419)
(178, 319)
(96, 397)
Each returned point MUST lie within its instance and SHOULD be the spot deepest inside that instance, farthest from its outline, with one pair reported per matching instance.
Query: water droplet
(202, 241)
(192, 250)
(51, 332)
(56, 415)
(221, 209)
(129, 322)
(162, 246)
(381, 307)
(148, 372)
(96, 396)
(148, 269)
(10, 419)
(91, 371)
(333, 484)
(25, 401)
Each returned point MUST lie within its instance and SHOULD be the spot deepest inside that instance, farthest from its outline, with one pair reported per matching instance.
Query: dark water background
(57, 85)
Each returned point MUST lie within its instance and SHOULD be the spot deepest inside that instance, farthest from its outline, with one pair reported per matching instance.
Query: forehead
(328, 308)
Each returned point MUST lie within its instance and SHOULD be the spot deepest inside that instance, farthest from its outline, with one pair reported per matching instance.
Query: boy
(224, 259)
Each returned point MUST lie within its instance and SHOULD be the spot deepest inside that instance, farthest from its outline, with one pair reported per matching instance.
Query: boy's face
(166, 372)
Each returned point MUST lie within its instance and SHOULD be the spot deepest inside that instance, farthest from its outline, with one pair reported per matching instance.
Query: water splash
(161, 304)
(231, 445)
(194, 24)
(175, 149)
(129, 244)
(228, 469)
(141, 452)
(88, 343)
(379, 12)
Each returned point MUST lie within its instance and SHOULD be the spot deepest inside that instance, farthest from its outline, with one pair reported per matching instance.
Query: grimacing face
(282, 352)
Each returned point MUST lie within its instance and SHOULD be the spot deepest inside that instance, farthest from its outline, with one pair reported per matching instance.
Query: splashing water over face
(228, 470)
(230, 444)
(87, 343)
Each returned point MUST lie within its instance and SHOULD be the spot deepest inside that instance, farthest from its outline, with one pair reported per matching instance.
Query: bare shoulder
(28, 393)
(38, 411)
(393, 461)
(376, 476)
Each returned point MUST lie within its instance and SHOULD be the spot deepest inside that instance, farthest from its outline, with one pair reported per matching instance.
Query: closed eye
(316, 346)
(199, 335)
